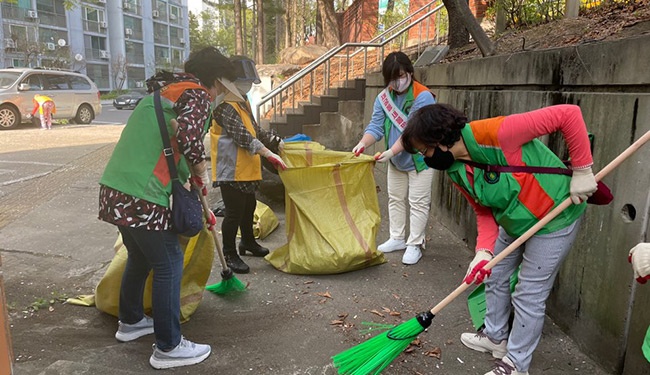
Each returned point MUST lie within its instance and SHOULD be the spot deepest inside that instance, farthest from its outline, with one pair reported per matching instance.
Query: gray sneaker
(129, 332)
(185, 354)
(480, 342)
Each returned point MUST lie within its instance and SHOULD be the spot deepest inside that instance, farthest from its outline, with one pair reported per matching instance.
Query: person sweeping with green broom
(507, 205)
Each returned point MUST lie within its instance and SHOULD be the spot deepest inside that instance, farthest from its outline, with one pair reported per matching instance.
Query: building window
(94, 20)
(174, 14)
(160, 33)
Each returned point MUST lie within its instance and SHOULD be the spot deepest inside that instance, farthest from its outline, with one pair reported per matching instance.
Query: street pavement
(53, 247)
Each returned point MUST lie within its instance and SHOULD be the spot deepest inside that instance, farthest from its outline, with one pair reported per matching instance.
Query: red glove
(476, 273)
(277, 161)
(212, 220)
(640, 259)
(359, 149)
(198, 182)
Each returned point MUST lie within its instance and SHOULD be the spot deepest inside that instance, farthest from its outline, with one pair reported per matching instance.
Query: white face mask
(217, 100)
(401, 84)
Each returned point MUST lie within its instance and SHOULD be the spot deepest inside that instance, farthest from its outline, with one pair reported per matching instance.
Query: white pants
(417, 186)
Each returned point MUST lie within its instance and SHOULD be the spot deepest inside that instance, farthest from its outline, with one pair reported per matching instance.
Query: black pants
(239, 211)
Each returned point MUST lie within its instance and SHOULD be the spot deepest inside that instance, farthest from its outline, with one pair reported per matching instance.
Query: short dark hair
(208, 65)
(395, 63)
(434, 124)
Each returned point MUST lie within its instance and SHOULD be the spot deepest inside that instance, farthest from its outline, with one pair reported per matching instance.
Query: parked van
(76, 97)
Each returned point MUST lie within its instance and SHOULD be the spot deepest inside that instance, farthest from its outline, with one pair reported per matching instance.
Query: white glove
(277, 161)
(359, 148)
(384, 156)
(583, 185)
(640, 259)
(475, 272)
(281, 146)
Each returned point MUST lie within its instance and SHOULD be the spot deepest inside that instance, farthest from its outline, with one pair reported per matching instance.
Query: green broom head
(229, 284)
(374, 355)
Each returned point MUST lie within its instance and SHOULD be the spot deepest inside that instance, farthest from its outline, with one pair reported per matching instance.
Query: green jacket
(138, 166)
(517, 200)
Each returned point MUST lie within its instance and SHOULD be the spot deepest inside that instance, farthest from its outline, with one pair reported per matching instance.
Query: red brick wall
(427, 28)
(478, 8)
(359, 22)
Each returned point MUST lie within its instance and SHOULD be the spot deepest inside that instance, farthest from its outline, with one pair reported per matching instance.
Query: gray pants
(540, 258)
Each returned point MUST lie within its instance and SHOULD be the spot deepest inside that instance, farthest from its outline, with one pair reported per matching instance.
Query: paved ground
(53, 247)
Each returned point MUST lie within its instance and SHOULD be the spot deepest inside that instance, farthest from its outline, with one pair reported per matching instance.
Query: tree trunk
(259, 59)
(288, 20)
(244, 28)
(300, 28)
(299, 24)
(330, 27)
(239, 40)
(462, 23)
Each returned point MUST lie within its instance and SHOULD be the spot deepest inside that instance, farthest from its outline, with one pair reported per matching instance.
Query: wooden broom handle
(545, 220)
(215, 235)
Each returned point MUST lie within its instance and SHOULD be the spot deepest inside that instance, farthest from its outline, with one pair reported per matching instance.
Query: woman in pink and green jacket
(506, 205)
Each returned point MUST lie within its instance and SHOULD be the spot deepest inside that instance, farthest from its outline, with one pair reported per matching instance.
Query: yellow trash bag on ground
(332, 212)
(264, 221)
(197, 264)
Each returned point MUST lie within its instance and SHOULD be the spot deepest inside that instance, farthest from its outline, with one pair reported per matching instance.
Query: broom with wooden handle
(374, 355)
(229, 282)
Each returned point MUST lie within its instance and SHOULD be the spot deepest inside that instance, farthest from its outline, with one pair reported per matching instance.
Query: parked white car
(76, 96)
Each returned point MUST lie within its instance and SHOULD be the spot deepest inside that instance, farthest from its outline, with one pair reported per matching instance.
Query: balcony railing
(51, 19)
(95, 27)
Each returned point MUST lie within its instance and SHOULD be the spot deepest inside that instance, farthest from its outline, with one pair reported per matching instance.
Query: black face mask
(440, 160)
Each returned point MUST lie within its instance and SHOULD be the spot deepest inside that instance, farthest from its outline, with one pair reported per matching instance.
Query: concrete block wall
(595, 298)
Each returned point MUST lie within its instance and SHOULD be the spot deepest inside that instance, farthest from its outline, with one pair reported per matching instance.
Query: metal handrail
(309, 69)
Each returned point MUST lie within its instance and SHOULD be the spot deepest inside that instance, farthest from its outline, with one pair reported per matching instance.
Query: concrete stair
(339, 130)
(309, 113)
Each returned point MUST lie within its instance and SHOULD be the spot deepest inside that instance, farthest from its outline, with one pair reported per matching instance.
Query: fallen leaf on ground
(435, 353)
(326, 295)
(377, 313)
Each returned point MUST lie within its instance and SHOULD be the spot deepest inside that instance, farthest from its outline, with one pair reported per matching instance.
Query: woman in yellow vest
(237, 143)
(45, 107)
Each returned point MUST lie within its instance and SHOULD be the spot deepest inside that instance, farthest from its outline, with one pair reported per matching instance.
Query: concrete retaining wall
(595, 298)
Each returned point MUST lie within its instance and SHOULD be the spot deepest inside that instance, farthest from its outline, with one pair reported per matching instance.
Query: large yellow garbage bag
(332, 212)
(197, 264)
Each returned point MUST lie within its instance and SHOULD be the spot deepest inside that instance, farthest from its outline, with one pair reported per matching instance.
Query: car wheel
(9, 117)
(85, 114)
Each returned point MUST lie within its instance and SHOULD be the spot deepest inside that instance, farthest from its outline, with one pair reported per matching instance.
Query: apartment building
(117, 43)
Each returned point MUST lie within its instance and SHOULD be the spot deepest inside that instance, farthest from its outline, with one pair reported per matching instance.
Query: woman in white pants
(408, 176)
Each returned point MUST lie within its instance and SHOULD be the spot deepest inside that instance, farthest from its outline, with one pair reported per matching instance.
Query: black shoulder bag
(602, 196)
(187, 212)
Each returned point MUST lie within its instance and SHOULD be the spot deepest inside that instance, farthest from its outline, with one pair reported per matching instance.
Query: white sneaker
(479, 341)
(129, 332)
(185, 354)
(412, 255)
(392, 245)
(505, 367)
